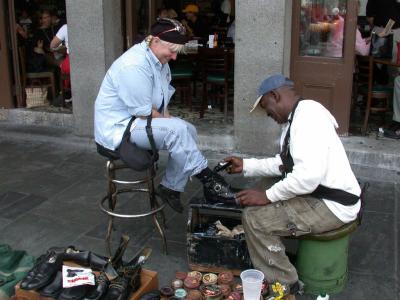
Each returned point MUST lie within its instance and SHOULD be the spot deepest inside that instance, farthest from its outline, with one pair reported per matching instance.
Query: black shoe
(217, 190)
(392, 134)
(54, 288)
(73, 293)
(119, 289)
(85, 258)
(32, 273)
(44, 271)
(173, 198)
(100, 289)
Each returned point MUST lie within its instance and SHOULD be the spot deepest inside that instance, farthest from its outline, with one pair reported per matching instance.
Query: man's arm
(55, 42)
(262, 167)
(134, 86)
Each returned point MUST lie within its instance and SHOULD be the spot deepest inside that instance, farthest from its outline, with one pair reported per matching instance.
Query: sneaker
(393, 134)
(173, 198)
(217, 190)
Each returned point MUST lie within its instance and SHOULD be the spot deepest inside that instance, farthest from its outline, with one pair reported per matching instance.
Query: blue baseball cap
(269, 84)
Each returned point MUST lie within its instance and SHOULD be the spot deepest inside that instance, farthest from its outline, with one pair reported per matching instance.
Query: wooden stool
(112, 166)
(322, 260)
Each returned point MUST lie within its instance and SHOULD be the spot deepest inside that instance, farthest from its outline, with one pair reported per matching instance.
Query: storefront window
(322, 24)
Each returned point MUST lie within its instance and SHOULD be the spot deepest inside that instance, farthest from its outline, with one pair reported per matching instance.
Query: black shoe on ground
(119, 289)
(44, 271)
(392, 134)
(217, 190)
(54, 289)
(99, 289)
(173, 198)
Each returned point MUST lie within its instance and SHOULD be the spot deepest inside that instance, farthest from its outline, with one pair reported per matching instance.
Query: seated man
(138, 84)
(318, 191)
(394, 131)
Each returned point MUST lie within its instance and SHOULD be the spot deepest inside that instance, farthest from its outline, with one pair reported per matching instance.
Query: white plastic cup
(252, 283)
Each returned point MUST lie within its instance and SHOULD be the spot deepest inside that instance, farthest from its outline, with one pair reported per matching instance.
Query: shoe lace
(118, 283)
(102, 278)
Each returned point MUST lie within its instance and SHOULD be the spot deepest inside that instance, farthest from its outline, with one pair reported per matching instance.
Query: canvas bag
(136, 158)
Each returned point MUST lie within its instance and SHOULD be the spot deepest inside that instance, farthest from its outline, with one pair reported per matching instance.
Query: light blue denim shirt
(135, 83)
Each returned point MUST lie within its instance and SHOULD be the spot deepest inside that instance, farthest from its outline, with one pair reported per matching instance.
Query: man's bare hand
(237, 164)
(252, 198)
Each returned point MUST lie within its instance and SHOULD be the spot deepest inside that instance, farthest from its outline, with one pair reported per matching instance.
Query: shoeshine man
(318, 191)
(138, 84)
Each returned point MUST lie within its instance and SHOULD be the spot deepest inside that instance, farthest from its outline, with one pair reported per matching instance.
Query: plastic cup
(252, 283)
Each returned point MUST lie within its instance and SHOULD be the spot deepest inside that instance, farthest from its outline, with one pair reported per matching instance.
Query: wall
(95, 41)
(262, 48)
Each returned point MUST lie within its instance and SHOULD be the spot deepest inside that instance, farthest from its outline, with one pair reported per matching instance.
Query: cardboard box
(148, 280)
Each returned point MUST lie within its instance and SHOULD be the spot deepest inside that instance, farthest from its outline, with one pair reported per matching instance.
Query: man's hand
(252, 198)
(237, 164)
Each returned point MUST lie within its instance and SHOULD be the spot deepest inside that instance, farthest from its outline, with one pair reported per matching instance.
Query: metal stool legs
(156, 208)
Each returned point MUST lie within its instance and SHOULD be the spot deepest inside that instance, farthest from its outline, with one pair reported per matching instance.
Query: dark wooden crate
(215, 253)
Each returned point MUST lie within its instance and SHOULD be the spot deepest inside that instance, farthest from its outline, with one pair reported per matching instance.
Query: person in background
(362, 44)
(393, 131)
(137, 86)
(231, 31)
(56, 21)
(169, 13)
(195, 25)
(335, 46)
(378, 14)
(56, 45)
(25, 21)
(43, 37)
(162, 13)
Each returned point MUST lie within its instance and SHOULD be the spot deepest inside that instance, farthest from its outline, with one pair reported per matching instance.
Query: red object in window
(398, 52)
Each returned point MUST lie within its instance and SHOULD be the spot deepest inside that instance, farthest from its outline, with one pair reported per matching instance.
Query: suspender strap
(286, 158)
(339, 196)
(128, 128)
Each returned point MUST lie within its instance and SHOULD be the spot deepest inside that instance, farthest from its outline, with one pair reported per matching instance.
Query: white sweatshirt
(319, 158)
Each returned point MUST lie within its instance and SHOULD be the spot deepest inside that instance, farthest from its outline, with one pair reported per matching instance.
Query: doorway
(322, 54)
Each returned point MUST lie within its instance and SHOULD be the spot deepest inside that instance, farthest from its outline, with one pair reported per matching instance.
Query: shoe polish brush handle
(222, 165)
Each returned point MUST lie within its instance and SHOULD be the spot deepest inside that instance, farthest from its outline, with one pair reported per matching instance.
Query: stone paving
(49, 196)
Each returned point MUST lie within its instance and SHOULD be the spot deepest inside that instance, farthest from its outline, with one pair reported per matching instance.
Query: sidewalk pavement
(50, 190)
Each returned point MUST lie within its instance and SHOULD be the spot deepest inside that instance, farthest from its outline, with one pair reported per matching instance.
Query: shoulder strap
(286, 158)
(128, 128)
(149, 132)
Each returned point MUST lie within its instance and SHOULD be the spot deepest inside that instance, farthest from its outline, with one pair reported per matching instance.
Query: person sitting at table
(378, 14)
(394, 130)
(335, 48)
(195, 25)
(42, 38)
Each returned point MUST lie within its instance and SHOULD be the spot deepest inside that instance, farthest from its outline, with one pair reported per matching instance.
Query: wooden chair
(379, 99)
(42, 79)
(182, 79)
(217, 71)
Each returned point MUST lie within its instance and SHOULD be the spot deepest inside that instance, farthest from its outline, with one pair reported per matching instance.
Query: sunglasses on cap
(178, 26)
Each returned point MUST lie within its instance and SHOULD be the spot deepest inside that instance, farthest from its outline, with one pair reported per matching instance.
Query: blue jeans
(179, 138)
